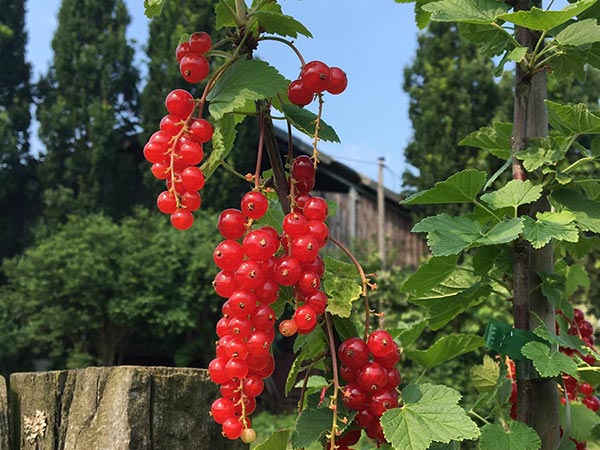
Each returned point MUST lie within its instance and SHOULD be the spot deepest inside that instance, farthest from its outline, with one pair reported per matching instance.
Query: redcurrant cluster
(372, 376)
(584, 330)
(193, 65)
(304, 234)
(316, 77)
(175, 152)
(247, 328)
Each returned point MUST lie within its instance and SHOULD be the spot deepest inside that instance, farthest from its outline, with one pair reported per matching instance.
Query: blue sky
(372, 41)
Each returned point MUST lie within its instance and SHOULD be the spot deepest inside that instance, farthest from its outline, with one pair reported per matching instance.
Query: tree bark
(537, 399)
(117, 408)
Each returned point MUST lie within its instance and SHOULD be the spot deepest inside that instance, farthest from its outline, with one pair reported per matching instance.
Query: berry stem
(290, 44)
(172, 156)
(364, 280)
(261, 140)
(336, 380)
(230, 168)
(316, 135)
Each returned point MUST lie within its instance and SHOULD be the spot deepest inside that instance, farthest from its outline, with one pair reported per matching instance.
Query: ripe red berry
(288, 328)
(228, 255)
(305, 318)
(224, 284)
(309, 283)
(305, 248)
(382, 401)
(263, 317)
(578, 315)
(191, 200)
(192, 178)
(586, 389)
(354, 397)
(316, 209)
(259, 245)
(254, 204)
(200, 42)
(191, 153)
(295, 225)
(287, 271)
(241, 303)
(232, 428)
(249, 275)
(298, 94)
(339, 81)
(182, 50)
(180, 103)
(171, 124)
(372, 377)
(232, 224)
(585, 328)
(166, 202)
(592, 403)
(160, 171)
(258, 344)
(182, 219)
(216, 370)
(354, 353)
(316, 76)
(222, 409)
(201, 130)
(303, 167)
(317, 301)
(381, 343)
(194, 68)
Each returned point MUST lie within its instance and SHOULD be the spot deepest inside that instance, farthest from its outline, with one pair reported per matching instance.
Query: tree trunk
(537, 399)
(117, 408)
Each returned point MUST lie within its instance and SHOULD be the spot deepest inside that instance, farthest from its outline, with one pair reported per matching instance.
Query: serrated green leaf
(572, 61)
(340, 268)
(407, 333)
(587, 212)
(485, 376)
(553, 288)
(549, 363)
(246, 80)
(513, 194)
(447, 303)
(490, 40)
(430, 414)
(222, 142)
(583, 420)
(281, 24)
(519, 436)
(542, 20)
(430, 274)
(273, 217)
(278, 440)
(550, 225)
(466, 11)
(153, 8)
(341, 293)
(445, 349)
(461, 187)
(448, 235)
(422, 17)
(308, 346)
(573, 119)
(564, 339)
(503, 232)
(576, 277)
(542, 152)
(304, 120)
(224, 18)
(583, 32)
(310, 426)
(344, 327)
(496, 139)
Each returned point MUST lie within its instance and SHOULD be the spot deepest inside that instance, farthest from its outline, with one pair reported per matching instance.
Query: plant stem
(290, 44)
(230, 168)
(240, 10)
(336, 380)
(316, 135)
(261, 140)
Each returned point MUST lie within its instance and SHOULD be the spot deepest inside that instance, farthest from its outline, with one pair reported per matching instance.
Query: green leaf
(583, 420)
(422, 17)
(153, 8)
(430, 274)
(342, 292)
(445, 349)
(542, 152)
(278, 440)
(550, 225)
(461, 187)
(573, 119)
(542, 20)
(490, 40)
(340, 268)
(549, 363)
(496, 139)
(564, 339)
(466, 11)
(407, 333)
(485, 376)
(223, 15)
(430, 414)
(503, 232)
(576, 277)
(246, 80)
(344, 327)
(518, 437)
(312, 423)
(587, 212)
(448, 235)
(308, 346)
(276, 23)
(304, 120)
(222, 142)
(579, 33)
(513, 194)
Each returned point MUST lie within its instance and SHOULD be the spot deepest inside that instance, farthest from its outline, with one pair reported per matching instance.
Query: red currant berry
(171, 124)
(347, 373)
(381, 343)
(394, 377)
(315, 266)
(382, 401)
(182, 219)
(309, 283)
(241, 303)
(222, 409)
(223, 327)
(592, 403)
(232, 428)
(298, 94)
(586, 389)
(254, 204)
(295, 225)
(316, 209)
(192, 178)
(305, 248)
(263, 317)
(339, 81)
(232, 224)
(578, 315)
(320, 231)
(258, 344)
(354, 397)
(267, 293)
(234, 347)
(288, 328)
(180, 103)
(156, 152)
(305, 318)
(317, 301)
(202, 130)
(259, 245)
(216, 370)
(200, 42)
(191, 200)
(316, 76)
(193, 68)
(585, 328)
(253, 386)
(236, 368)
(240, 327)
(354, 353)
(182, 50)
(372, 377)
(160, 171)
(223, 284)
(287, 271)
(166, 202)
(228, 255)
(391, 359)
(303, 167)
(191, 153)
(267, 368)
(249, 275)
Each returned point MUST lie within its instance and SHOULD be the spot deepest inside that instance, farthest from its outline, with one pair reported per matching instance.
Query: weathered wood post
(114, 408)
(3, 415)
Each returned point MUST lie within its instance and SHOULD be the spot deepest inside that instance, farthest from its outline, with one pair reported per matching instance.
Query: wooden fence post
(3, 415)
(114, 408)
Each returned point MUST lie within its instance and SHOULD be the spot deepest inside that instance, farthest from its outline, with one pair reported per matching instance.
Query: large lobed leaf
(513, 194)
(580, 33)
(153, 8)
(542, 20)
(496, 139)
(277, 23)
(304, 120)
(466, 11)
(430, 414)
(445, 349)
(246, 80)
(461, 187)
(573, 119)
(430, 274)
(587, 212)
(583, 420)
(276, 441)
(222, 142)
(548, 226)
(485, 376)
(548, 363)
(519, 436)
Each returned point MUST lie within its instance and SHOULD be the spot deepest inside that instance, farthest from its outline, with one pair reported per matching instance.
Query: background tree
(177, 19)
(87, 106)
(18, 190)
(451, 94)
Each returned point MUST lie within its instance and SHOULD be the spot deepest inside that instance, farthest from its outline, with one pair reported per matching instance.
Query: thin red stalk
(261, 140)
